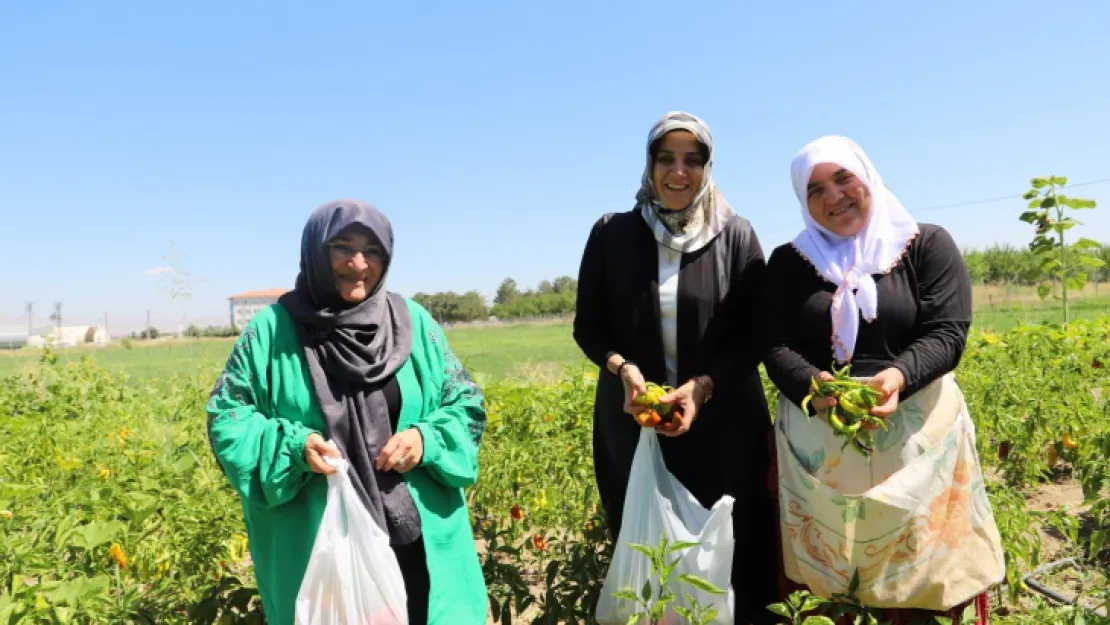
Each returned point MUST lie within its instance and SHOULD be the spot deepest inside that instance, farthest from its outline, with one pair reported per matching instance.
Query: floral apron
(914, 521)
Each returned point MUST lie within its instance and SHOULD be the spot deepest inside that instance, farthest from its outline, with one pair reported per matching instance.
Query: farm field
(516, 351)
(113, 510)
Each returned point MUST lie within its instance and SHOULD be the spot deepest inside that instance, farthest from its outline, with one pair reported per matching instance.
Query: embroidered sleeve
(453, 431)
(261, 454)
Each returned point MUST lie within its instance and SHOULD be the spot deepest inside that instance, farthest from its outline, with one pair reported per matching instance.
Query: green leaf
(1090, 262)
(627, 594)
(1076, 281)
(97, 533)
(818, 620)
(1098, 540)
(780, 609)
(1086, 243)
(1058, 180)
(667, 572)
(1030, 217)
(1039, 183)
(854, 585)
(1044, 291)
(634, 619)
(1032, 193)
(75, 591)
(1050, 264)
(1048, 202)
(647, 551)
(679, 546)
(646, 592)
(700, 584)
(1042, 245)
(813, 602)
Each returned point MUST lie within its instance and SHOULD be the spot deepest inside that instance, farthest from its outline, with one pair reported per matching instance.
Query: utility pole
(30, 318)
(57, 319)
(147, 328)
(106, 325)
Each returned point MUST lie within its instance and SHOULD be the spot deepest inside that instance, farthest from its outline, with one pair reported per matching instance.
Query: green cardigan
(262, 410)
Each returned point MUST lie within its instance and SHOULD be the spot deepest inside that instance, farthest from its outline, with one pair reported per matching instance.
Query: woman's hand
(688, 399)
(316, 449)
(821, 403)
(402, 452)
(890, 382)
(634, 385)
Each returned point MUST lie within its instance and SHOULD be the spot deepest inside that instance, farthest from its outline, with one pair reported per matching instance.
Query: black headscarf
(352, 350)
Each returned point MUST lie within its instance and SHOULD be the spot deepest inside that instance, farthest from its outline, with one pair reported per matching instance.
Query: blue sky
(494, 134)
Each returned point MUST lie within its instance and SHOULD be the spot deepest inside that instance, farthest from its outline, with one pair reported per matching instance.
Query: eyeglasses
(346, 252)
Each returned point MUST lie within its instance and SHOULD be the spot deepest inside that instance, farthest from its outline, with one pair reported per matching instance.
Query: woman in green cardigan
(342, 367)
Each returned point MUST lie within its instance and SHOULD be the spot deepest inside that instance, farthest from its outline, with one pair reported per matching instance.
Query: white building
(65, 336)
(13, 337)
(244, 305)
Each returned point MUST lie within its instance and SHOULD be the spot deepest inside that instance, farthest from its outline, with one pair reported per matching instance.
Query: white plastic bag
(657, 504)
(352, 577)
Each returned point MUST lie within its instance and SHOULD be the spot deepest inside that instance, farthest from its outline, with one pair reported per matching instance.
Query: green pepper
(850, 406)
(839, 425)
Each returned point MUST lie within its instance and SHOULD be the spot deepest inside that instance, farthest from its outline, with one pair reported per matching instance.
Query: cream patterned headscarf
(693, 227)
(850, 262)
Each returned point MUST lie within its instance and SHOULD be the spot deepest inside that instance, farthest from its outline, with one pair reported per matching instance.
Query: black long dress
(726, 450)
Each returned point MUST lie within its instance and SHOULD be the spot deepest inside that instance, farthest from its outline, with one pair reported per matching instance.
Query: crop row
(112, 509)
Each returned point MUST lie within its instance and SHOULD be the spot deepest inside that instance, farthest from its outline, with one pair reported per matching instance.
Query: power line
(989, 200)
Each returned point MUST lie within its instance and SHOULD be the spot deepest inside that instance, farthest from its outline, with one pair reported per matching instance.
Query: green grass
(525, 351)
(513, 351)
(1005, 316)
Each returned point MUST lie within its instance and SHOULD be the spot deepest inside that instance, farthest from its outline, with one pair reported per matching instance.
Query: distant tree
(447, 307)
(976, 264)
(550, 298)
(564, 284)
(507, 292)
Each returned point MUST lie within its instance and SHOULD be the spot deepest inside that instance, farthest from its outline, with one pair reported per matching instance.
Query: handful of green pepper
(854, 401)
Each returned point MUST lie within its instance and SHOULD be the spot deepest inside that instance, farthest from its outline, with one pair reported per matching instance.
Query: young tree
(1069, 264)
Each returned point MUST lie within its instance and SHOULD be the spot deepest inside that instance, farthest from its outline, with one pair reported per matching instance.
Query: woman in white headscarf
(668, 293)
(865, 285)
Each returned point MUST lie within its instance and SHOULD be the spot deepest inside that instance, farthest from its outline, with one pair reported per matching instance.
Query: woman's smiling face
(678, 169)
(838, 200)
(357, 262)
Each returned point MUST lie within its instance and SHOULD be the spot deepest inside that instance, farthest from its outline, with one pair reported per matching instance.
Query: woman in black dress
(864, 284)
(667, 293)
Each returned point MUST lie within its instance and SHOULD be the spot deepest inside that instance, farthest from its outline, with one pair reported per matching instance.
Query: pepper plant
(1068, 264)
(653, 608)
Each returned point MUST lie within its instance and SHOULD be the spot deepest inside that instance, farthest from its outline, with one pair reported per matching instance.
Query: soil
(1065, 492)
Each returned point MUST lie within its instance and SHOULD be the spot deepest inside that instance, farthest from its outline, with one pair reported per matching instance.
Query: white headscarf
(691, 228)
(849, 262)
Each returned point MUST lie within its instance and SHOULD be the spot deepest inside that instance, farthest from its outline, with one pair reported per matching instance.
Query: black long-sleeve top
(924, 314)
(718, 294)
